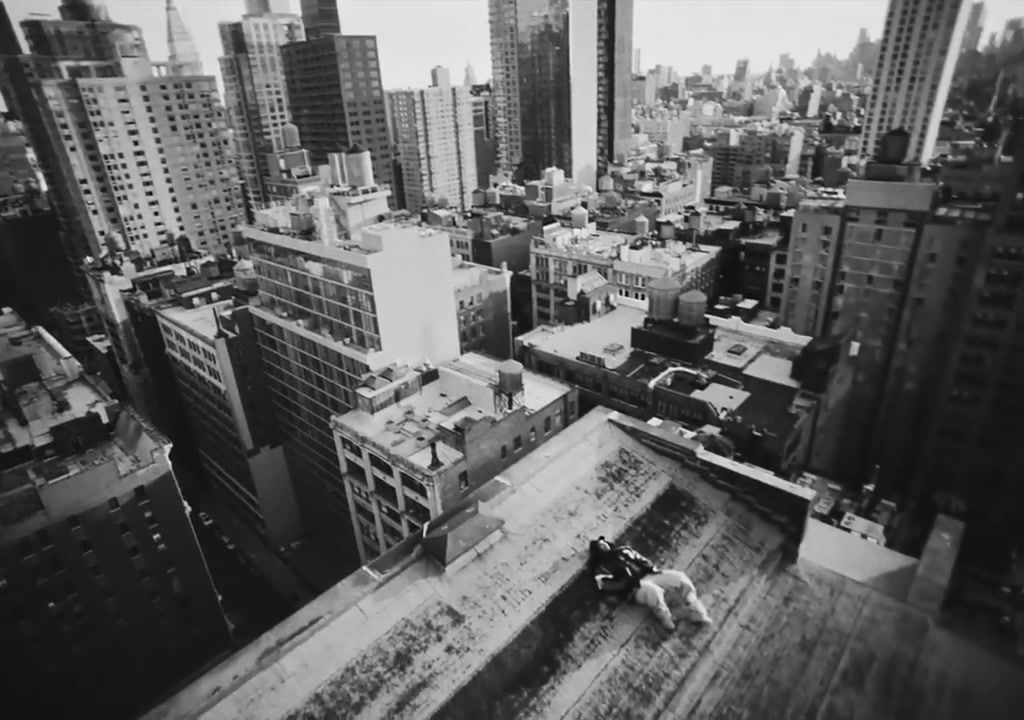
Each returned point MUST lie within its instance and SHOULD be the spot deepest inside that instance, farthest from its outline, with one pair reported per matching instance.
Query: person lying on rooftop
(621, 571)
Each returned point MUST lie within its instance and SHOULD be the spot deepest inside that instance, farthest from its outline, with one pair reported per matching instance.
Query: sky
(415, 35)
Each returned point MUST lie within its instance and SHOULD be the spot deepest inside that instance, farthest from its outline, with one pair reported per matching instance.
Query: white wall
(583, 103)
(413, 288)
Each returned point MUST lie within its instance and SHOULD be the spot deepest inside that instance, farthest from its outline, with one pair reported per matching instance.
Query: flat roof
(467, 274)
(517, 631)
(200, 320)
(607, 337)
(722, 397)
(62, 392)
(462, 393)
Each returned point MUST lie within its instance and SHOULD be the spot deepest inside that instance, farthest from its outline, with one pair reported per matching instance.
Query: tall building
(341, 297)
(436, 142)
(39, 89)
(182, 56)
(320, 17)
(493, 588)
(408, 461)
(254, 87)
(542, 119)
(485, 137)
(337, 100)
(975, 26)
(212, 349)
(918, 54)
(131, 157)
(971, 441)
(103, 588)
(879, 245)
(164, 146)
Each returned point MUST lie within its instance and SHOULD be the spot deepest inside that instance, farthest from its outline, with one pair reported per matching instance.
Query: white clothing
(651, 593)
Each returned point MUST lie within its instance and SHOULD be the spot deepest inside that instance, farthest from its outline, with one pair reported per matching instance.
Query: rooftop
(514, 629)
(463, 393)
(744, 346)
(467, 274)
(606, 336)
(200, 321)
(46, 386)
(131, 446)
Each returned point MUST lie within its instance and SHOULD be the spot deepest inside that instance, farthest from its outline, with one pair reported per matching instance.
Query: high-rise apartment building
(254, 87)
(212, 349)
(407, 461)
(542, 118)
(972, 438)
(164, 145)
(918, 54)
(337, 100)
(880, 243)
(104, 591)
(131, 157)
(342, 296)
(435, 138)
(320, 17)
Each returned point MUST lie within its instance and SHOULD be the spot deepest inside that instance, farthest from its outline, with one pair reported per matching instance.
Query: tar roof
(517, 630)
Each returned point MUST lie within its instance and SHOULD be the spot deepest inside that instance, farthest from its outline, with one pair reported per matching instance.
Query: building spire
(182, 56)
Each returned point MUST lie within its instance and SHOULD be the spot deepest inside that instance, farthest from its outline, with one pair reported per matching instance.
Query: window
(547, 425)
(463, 481)
(533, 434)
(504, 451)
(517, 444)
(113, 503)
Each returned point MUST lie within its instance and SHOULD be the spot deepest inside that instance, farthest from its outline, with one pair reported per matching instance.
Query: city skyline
(407, 35)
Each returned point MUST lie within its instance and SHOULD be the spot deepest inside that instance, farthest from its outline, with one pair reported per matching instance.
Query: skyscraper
(337, 99)
(254, 87)
(320, 17)
(975, 25)
(132, 158)
(434, 134)
(915, 66)
(543, 119)
(182, 56)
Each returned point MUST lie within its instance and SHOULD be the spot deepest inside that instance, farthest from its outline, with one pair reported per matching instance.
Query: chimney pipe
(435, 463)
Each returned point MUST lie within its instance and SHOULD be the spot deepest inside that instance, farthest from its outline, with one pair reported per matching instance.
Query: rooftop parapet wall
(785, 504)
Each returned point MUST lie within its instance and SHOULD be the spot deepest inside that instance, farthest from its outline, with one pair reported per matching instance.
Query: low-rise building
(103, 586)
(777, 397)
(417, 446)
(630, 262)
(483, 297)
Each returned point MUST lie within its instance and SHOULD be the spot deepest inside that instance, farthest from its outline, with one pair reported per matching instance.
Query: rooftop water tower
(691, 307)
(359, 167)
(662, 293)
